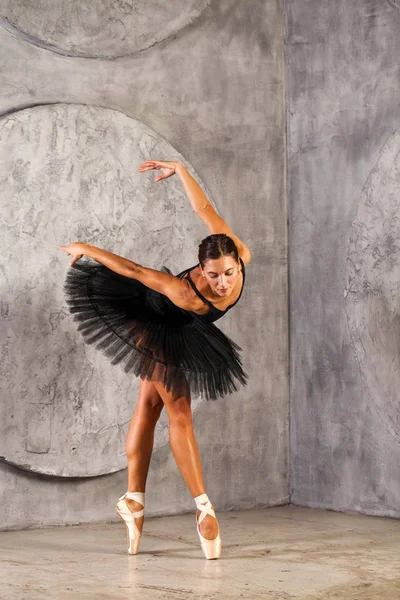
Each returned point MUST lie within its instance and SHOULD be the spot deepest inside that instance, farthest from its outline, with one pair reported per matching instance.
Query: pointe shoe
(133, 532)
(211, 548)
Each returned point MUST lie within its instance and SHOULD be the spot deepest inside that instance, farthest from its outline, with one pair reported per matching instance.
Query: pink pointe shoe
(133, 532)
(211, 548)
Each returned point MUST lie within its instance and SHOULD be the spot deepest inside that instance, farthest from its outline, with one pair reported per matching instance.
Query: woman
(161, 327)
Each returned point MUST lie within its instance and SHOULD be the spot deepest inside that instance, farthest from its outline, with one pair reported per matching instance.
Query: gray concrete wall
(343, 122)
(209, 88)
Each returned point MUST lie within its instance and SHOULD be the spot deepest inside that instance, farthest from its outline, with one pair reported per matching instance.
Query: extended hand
(75, 250)
(168, 167)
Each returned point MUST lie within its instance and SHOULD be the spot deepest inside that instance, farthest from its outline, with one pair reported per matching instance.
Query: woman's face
(221, 274)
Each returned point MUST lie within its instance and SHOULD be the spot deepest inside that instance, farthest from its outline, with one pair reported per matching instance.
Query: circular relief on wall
(68, 173)
(373, 285)
(101, 29)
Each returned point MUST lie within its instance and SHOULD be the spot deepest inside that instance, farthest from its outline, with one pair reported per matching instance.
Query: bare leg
(140, 440)
(185, 450)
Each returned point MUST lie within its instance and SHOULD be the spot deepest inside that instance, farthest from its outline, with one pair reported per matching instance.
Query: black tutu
(151, 336)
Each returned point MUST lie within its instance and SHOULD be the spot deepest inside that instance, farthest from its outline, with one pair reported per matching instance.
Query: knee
(180, 415)
(151, 411)
(147, 414)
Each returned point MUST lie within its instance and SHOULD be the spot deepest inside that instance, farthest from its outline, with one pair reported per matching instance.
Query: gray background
(217, 91)
(212, 90)
(343, 101)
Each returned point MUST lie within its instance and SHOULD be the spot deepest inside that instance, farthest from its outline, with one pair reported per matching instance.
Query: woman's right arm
(177, 290)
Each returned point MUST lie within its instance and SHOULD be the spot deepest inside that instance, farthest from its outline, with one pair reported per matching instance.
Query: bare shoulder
(176, 289)
(245, 255)
(185, 297)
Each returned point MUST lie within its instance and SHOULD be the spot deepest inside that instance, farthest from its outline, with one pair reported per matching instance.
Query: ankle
(204, 507)
(135, 502)
(201, 498)
(137, 497)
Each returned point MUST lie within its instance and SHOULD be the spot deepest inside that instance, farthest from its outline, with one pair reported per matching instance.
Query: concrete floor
(275, 553)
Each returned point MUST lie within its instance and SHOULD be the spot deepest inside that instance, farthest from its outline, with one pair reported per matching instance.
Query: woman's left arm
(198, 200)
(204, 209)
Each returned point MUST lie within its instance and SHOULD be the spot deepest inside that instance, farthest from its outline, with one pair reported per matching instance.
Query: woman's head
(219, 262)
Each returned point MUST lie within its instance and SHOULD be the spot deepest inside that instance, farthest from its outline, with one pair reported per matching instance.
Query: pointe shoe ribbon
(211, 548)
(128, 516)
(138, 497)
(205, 508)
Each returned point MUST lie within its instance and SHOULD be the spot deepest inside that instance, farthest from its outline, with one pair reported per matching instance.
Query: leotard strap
(200, 295)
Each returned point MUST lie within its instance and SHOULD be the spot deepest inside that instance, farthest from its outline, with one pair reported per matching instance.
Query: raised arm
(198, 200)
(177, 290)
(207, 213)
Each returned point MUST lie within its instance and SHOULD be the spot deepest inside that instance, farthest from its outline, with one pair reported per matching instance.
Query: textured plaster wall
(343, 118)
(68, 167)
(210, 88)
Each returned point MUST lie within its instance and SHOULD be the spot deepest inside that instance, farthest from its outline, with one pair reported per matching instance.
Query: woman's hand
(76, 250)
(168, 167)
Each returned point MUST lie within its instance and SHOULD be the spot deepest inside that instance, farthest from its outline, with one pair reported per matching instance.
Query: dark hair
(215, 246)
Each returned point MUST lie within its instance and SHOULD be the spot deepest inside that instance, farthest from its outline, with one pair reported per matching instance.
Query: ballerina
(160, 326)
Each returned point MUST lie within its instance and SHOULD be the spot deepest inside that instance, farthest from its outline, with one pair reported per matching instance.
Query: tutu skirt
(149, 335)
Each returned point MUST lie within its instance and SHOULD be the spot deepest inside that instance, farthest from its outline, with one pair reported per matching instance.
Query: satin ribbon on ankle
(138, 497)
(205, 508)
